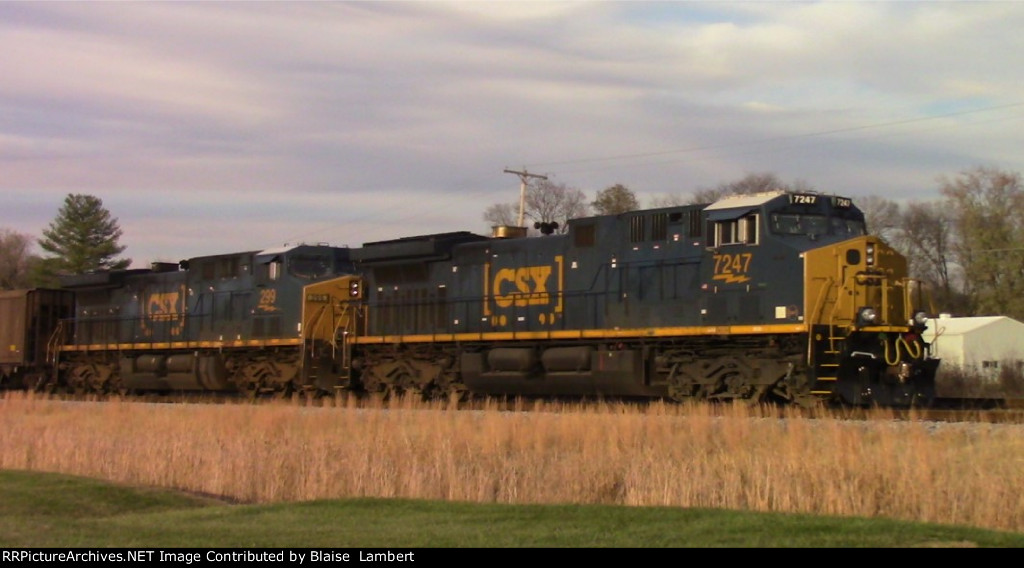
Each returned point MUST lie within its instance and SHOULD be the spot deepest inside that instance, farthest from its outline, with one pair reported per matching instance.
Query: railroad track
(989, 416)
(946, 410)
(992, 412)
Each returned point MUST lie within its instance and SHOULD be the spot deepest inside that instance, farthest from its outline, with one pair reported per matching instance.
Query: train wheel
(455, 393)
(398, 392)
(254, 378)
(35, 382)
(311, 395)
(372, 382)
(732, 378)
(81, 378)
(393, 379)
(284, 392)
(796, 388)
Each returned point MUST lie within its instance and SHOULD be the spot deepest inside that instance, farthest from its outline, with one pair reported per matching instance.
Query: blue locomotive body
(749, 297)
(202, 324)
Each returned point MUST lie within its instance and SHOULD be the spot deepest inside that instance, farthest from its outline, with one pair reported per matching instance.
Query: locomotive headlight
(920, 319)
(867, 315)
(869, 254)
(353, 289)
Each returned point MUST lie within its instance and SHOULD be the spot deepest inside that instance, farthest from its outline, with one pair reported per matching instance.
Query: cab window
(741, 231)
(309, 266)
(848, 227)
(798, 224)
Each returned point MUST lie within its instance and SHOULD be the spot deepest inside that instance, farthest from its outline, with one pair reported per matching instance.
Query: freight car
(776, 296)
(28, 320)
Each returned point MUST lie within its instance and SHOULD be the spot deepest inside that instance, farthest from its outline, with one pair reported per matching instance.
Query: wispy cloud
(209, 127)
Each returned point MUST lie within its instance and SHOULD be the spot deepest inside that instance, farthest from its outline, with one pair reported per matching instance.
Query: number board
(803, 198)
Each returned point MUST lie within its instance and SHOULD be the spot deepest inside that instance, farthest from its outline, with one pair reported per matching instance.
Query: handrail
(53, 343)
(816, 313)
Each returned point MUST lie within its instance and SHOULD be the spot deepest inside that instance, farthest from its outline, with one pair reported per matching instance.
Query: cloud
(209, 127)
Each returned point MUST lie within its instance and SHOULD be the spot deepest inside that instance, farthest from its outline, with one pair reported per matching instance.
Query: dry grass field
(749, 458)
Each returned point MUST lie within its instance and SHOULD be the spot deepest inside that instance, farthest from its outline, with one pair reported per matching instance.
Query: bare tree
(882, 216)
(546, 203)
(501, 214)
(549, 202)
(987, 208)
(16, 260)
(748, 185)
(926, 239)
(668, 200)
(614, 200)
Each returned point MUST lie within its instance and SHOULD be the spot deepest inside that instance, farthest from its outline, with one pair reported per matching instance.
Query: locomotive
(232, 322)
(779, 296)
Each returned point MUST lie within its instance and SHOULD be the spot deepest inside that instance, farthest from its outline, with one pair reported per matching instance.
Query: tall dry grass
(660, 455)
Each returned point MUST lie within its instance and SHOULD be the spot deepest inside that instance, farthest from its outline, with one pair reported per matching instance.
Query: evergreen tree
(82, 238)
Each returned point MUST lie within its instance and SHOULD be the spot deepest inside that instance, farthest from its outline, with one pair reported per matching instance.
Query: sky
(210, 128)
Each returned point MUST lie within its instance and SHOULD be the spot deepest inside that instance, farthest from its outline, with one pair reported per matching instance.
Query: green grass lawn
(47, 510)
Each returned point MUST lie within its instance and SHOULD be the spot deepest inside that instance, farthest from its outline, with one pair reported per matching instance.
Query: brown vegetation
(958, 382)
(657, 455)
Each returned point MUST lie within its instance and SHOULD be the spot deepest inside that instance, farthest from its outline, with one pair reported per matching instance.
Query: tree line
(968, 245)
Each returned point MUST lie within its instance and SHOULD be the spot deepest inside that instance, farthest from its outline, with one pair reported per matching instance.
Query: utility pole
(522, 188)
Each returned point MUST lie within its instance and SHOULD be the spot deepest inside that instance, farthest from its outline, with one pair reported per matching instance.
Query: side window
(748, 229)
(274, 270)
(726, 233)
(228, 268)
(742, 231)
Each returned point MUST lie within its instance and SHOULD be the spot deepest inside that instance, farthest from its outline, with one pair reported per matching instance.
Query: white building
(977, 345)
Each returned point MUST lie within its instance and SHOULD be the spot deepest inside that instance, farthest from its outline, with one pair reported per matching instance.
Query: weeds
(694, 455)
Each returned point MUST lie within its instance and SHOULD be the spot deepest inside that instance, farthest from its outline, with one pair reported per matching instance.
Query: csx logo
(165, 309)
(520, 287)
(526, 286)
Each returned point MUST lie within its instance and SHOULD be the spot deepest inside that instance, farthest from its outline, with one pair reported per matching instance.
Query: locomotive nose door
(331, 318)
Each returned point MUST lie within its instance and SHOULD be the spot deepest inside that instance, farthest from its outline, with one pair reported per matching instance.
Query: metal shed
(976, 345)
